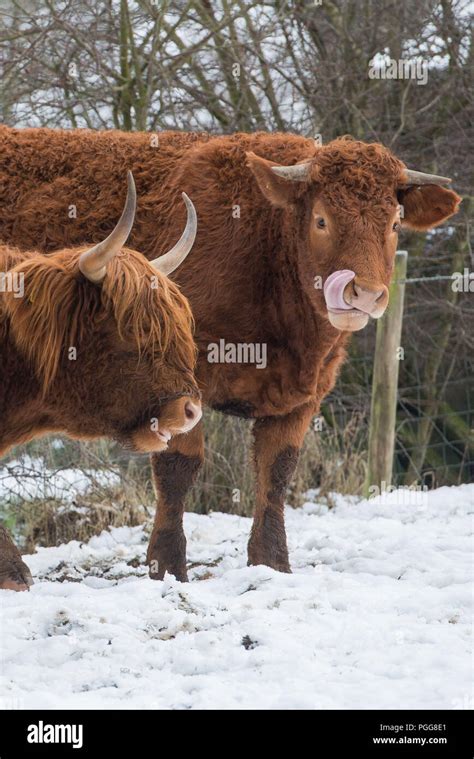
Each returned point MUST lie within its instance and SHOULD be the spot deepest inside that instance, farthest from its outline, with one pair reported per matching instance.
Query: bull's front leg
(277, 443)
(174, 472)
(14, 574)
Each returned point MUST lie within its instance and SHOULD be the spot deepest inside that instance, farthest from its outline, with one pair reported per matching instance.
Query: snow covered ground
(28, 478)
(375, 615)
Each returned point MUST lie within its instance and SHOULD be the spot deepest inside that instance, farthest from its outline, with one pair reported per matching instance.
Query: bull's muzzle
(351, 300)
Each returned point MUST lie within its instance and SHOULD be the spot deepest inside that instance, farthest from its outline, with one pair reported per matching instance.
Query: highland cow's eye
(397, 227)
(320, 223)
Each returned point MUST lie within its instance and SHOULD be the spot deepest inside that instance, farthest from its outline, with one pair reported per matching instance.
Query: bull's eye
(397, 227)
(320, 223)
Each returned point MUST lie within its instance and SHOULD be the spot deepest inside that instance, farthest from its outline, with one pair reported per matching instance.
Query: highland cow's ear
(279, 190)
(427, 206)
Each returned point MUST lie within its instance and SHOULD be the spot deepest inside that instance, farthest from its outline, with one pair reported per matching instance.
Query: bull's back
(62, 188)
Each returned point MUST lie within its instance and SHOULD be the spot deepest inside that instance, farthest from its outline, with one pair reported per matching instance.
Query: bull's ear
(278, 190)
(427, 206)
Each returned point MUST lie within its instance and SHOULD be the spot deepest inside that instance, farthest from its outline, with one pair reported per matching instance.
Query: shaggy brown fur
(133, 364)
(157, 320)
(250, 277)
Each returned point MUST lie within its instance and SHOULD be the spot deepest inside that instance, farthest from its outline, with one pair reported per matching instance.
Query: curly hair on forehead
(60, 307)
(350, 168)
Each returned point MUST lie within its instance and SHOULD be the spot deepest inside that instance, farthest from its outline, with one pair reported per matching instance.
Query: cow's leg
(14, 574)
(277, 443)
(174, 472)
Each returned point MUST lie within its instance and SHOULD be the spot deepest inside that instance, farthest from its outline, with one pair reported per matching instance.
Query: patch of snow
(28, 478)
(377, 614)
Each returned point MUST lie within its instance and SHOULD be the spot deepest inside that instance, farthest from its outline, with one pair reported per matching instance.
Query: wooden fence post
(383, 409)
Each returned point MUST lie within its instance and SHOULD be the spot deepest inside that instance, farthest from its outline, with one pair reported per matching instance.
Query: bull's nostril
(365, 298)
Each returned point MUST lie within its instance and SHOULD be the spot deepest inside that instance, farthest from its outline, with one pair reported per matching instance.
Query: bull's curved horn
(93, 262)
(418, 177)
(170, 261)
(297, 173)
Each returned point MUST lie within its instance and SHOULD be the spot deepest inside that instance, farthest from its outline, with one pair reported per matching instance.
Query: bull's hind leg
(278, 441)
(14, 574)
(174, 472)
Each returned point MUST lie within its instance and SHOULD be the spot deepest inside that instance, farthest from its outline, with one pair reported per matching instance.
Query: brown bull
(93, 343)
(295, 250)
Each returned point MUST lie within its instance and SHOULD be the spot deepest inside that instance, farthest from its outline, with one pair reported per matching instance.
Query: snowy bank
(375, 615)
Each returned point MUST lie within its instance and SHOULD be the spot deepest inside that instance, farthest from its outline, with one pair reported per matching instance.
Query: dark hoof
(277, 565)
(167, 553)
(14, 575)
(157, 571)
(268, 547)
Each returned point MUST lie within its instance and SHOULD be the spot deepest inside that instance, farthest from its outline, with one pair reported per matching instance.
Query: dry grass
(331, 460)
(334, 459)
(51, 522)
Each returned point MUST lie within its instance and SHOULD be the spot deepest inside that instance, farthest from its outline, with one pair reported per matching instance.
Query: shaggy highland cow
(94, 342)
(295, 251)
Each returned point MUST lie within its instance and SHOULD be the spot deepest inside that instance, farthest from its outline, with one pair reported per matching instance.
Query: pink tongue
(334, 289)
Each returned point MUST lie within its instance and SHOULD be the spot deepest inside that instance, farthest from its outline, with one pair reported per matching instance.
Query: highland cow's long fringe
(60, 307)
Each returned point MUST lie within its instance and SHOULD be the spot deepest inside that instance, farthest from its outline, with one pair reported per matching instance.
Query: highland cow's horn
(93, 262)
(418, 178)
(170, 261)
(297, 173)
